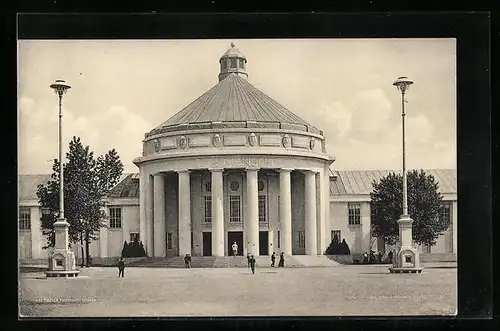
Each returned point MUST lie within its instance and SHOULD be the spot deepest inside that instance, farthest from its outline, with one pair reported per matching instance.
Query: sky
(122, 89)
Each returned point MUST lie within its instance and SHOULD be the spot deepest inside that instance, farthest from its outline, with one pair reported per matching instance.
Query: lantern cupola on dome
(233, 62)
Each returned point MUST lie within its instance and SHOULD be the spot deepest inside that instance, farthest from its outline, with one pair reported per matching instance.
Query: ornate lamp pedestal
(407, 259)
(62, 259)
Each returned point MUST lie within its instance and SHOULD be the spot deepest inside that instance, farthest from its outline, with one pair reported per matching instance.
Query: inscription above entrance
(245, 162)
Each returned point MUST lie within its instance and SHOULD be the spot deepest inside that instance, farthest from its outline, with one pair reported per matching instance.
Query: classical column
(326, 211)
(159, 215)
(319, 212)
(252, 212)
(217, 213)
(310, 212)
(145, 209)
(285, 208)
(184, 213)
(36, 234)
(150, 218)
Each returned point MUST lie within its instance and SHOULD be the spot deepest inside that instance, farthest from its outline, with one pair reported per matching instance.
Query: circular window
(234, 186)
(208, 186)
(261, 185)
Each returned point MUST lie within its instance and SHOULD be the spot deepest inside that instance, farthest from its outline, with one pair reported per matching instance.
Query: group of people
(251, 261)
(377, 258)
(187, 261)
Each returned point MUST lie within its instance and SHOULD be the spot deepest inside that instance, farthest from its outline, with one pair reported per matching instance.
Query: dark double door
(263, 243)
(207, 243)
(234, 236)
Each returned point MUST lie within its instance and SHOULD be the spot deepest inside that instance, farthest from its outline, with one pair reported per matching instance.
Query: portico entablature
(233, 161)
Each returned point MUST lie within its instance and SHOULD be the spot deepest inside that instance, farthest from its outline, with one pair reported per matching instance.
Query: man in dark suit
(252, 264)
(121, 268)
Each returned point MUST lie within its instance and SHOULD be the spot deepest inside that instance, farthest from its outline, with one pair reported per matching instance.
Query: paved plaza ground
(330, 291)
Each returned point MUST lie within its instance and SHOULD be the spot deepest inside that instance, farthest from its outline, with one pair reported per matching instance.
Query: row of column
(152, 212)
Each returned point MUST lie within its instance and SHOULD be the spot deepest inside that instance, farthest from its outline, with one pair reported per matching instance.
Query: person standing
(281, 263)
(235, 248)
(187, 260)
(121, 268)
(248, 259)
(273, 259)
(252, 264)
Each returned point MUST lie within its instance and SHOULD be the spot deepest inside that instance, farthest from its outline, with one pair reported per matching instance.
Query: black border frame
(472, 31)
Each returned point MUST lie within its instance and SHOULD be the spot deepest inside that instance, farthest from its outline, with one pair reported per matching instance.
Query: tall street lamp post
(62, 259)
(60, 87)
(407, 259)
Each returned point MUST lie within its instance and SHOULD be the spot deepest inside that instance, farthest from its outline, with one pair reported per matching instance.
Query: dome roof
(233, 52)
(234, 99)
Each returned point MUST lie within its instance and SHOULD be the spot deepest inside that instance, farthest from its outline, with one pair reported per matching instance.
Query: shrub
(133, 249)
(335, 247)
(344, 248)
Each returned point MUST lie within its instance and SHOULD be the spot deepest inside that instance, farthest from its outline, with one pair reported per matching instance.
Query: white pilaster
(252, 212)
(159, 216)
(285, 208)
(217, 213)
(103, 238)
(366, 227)
(36, 234)
(310, 213)
(184, 213)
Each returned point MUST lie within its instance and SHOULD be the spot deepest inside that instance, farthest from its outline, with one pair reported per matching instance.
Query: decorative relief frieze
(199, 141)
(286, 141)
(270, 140)
(157, 145)
(217, 140)
(233, 140)
(312, 141)
(252, 139)
(182, 142)
(300, 142)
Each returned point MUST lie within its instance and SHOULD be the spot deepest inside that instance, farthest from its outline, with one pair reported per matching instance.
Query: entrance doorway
(207, 243)
(233, 236)
(263, 243)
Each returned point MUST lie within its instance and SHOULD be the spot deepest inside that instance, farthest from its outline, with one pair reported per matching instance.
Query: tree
(424, 203)
(87, 182)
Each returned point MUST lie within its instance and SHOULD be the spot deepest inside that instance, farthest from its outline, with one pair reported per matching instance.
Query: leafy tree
(424, 202)
(87, 182)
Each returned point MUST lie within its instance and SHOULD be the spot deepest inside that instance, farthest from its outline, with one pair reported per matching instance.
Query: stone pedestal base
(407, 261)
(62, 273)
(62, 260)
(62, 264)
(394, 270)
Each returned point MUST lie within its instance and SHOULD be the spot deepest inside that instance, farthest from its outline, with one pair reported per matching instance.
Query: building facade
(232, 166)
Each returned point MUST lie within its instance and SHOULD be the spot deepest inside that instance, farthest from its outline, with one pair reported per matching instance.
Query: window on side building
(24, 218)
(115, 217)
(354, 213)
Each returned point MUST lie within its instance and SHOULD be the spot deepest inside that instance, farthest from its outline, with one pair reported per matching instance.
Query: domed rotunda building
(234, 166)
